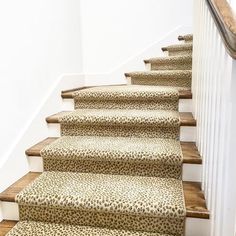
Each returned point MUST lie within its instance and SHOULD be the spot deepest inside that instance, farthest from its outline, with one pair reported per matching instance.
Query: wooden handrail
(225, 20)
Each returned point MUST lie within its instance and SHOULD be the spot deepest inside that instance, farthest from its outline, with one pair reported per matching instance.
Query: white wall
(114, 30)
(39, 41)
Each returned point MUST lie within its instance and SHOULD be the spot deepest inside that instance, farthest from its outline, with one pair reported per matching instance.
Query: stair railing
(225, 21)
(214, 98)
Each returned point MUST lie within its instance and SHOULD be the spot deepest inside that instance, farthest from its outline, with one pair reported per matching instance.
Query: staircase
(125, 164)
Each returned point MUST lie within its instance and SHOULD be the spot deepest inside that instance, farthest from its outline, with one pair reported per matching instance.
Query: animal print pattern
(122, 139)
(175, 78)
(188, 37)
(115, 155)
(180, 49)
(127, 97)
(148, 204)
(171, 63)
(122, 123)
(31, 228)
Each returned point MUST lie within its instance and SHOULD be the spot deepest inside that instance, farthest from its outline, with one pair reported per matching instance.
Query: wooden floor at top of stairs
(189, 149)
(68, 94)
(194, 197)
(6, 226)
(186, 118)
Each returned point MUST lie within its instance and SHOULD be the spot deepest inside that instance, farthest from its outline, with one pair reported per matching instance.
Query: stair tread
(6, 226)
(194, 198)
(170, 59)
(41, 228)
(189, 150)
(118, 194)
(178, 47)
(129, 92)
(69, 94)
(186, 118)
(186, 37)
(161, 73)
(96, 148)
(121, 117)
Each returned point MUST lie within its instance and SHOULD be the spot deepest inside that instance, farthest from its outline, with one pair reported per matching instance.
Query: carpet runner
(128, 97)
(115, 155)
(174, 78)
(117, 168)
(179, 49)
(31, 228)
(148, 204)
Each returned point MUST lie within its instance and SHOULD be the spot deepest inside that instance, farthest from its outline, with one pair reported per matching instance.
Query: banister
(225, 20)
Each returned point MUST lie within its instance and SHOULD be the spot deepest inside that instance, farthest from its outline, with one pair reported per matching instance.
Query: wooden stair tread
(186, 118)
(6, 226)
(189, 149)
(68, 94)
(9, 194)
(194, 197)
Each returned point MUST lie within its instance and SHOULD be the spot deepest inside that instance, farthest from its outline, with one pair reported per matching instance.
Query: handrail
(225, 20)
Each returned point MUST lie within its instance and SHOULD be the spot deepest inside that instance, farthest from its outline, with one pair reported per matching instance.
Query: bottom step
(42, 229)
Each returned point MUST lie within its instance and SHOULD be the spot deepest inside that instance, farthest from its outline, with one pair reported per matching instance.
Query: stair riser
(187, 134)
(193, 226)
(191, 172)
(185, 105)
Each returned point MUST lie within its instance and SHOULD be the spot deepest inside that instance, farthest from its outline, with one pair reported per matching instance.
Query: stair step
(194, 198)
(186, 118)
(179, 49)
(127, 97)
(189, 150)
(6, 226)
(174, 78)
(170, 63)
(125, 123)
(40, 228)
(115, 155)
(186, 38)
(68, 94)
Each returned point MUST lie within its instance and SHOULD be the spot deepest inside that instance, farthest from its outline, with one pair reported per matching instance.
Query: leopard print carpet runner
(128, 97)
(31, 228)
(122, 123)
(117, 168)
(115, 155)
(148, 204)
(174, 78)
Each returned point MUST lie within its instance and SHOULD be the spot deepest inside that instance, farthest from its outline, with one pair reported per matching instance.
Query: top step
(186, 38)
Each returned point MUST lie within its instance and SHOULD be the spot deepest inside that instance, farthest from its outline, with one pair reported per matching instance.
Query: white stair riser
(191, 172)
(185, 105)
(187, 134)
(193, 227)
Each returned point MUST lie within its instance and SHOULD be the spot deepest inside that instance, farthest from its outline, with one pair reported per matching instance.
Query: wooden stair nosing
(189, 150)
(6, 226)
(183, 94)
(194, 197)
(186, 118)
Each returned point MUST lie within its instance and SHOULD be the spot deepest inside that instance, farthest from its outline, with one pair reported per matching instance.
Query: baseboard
(135, 63)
